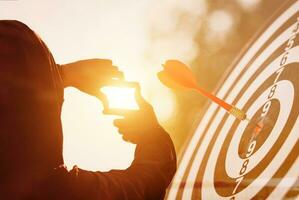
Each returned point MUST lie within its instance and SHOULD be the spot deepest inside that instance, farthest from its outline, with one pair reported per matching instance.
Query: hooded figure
(31, 96)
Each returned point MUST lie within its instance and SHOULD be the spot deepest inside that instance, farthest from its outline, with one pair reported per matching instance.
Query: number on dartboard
(251, 148)
(272, 91)
(238, 180)
(278, 72)
(244, 167)
(266, 108)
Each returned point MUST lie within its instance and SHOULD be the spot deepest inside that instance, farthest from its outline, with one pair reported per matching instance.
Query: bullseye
(285, 109)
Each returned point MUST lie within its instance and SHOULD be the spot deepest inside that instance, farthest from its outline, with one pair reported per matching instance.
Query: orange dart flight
(176, 75)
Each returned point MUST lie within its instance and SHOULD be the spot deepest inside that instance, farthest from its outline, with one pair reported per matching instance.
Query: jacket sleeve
(147, 178)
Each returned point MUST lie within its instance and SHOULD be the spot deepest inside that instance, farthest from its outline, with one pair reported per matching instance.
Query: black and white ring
(222, 159)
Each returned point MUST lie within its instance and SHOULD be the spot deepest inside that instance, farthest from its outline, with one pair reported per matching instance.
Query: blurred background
(139, 36)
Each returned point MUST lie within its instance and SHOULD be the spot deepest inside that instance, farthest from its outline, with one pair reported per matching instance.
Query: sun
(120, 97)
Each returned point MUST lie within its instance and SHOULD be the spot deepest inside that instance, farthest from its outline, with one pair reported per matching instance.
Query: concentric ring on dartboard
(283, 111)
(267, 160)
(201, 144)
(264, 155)
(258, 129)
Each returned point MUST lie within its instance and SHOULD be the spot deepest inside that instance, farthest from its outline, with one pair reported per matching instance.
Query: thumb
(139, 98)
(102, 97)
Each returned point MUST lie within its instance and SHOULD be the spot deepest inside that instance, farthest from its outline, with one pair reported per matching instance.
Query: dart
(176, 75)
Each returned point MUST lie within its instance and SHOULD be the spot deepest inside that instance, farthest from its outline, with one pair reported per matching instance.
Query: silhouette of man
(31, 96)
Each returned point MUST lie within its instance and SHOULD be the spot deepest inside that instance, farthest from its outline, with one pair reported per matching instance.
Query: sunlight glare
(220, 21)
(90, 139)
(249, 4)
(121, 98)
(164, 104)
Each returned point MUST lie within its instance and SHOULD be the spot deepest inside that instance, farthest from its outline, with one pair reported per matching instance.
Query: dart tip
(258, 126)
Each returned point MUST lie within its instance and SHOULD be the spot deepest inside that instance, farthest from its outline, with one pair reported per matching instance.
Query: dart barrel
(238, 113)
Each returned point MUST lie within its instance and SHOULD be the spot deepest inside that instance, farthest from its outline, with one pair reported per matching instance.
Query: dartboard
(229, 159)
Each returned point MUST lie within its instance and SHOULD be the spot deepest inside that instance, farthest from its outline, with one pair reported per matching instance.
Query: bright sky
(138, 35)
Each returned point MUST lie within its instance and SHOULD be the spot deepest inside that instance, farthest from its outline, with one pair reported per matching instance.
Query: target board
(228, 159)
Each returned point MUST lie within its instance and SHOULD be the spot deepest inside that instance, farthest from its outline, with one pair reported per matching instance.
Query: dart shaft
(215, 99)
(236, 112)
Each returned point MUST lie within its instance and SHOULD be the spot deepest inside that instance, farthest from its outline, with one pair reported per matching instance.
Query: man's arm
(152, 169)
(147, 178)
(155, 159)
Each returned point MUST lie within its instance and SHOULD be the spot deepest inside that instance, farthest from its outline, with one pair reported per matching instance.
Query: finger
(103, 69)
(139, 98)
(110, 74)
(95, 62)
(102, 97)
(116, 74)
(131, 137)
(120, 123)
(107, 68)
(131, 123)
(109, 82)
(125, 128)
(122, 112)
(100, 61)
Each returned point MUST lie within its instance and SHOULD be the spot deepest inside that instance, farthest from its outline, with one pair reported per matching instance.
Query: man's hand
(90, 75)
(138, 126)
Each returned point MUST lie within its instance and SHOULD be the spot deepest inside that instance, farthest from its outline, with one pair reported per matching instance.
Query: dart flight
(176, 75)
